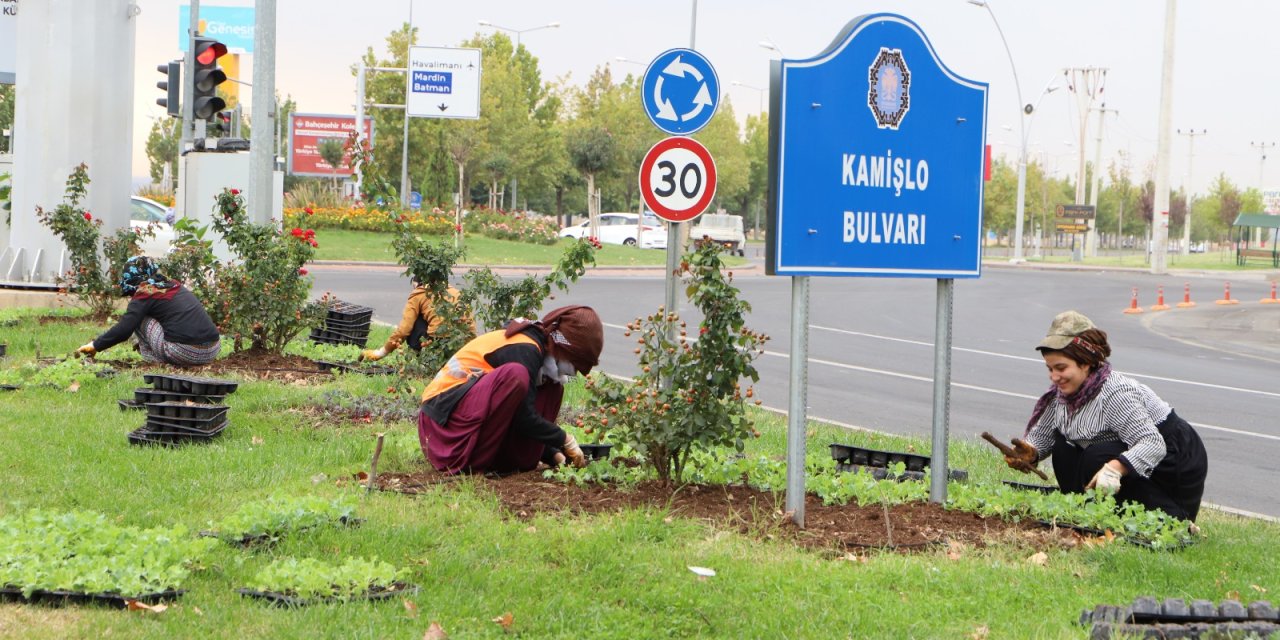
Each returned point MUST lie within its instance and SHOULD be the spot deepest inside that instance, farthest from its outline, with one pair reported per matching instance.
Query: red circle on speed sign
(678, 179)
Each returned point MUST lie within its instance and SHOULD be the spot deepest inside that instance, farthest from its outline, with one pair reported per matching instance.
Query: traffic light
(172, 88)
(208, 76)
(221, 124)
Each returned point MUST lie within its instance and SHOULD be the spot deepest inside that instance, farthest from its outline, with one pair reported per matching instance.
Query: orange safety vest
(469, 363)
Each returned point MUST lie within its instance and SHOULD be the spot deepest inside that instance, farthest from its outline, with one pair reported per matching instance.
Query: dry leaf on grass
(197, 610)
(980, 633)
(435, 632)
(703, 572)
(134, 605)
(955, 550)
(318, 478)
(410, 608)
(1039, 559)
(75, 386)
(256, 441)
(1257, 588)
(505, 620)
(531, 529)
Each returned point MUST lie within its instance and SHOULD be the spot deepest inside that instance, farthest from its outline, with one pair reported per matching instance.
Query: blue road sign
(415, 200)
(681, 91)
(877, 159)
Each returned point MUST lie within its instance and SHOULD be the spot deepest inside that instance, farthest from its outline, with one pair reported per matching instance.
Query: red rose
(302, 272)
(87, 216)
(235, 192)
(457, 228)
(297, 233)
(309, 210)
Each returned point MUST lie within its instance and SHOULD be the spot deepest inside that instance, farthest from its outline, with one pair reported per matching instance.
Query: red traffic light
(208, 51)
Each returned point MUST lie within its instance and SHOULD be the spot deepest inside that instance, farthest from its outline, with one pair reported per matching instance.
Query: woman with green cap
(1106, 430)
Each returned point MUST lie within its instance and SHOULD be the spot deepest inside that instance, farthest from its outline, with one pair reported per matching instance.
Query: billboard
(8, 41)
(1271, 202)
(306, 130)
(232, 26)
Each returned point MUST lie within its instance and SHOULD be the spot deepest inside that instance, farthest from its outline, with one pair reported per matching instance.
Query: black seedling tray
(348, 367)
(4, 348)
(267, 538)
(880, 473)
(197, 428)
(127, 405)
(170, 437)
(847, 454)
(192, 385)
(284, 600)
(144, 395)
(338, 323)
(11, 594)
(331, 337)
(348, 312)
(8, 387)
(1151, 610)
(1042, 488)
(341, 334)
(597, 451)
(186, 411)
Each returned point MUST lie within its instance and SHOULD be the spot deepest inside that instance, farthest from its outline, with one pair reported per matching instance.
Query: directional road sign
(879, 159)
(680, 91)
(678, 179)
(444, 83)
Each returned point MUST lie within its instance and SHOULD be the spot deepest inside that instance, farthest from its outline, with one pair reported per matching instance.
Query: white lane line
(1030, 359)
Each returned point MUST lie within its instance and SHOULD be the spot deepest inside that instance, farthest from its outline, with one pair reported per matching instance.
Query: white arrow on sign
(665, 110)
(703, 99)
(678, 68)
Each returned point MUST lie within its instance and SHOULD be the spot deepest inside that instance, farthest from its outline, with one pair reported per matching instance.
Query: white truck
(725, 228)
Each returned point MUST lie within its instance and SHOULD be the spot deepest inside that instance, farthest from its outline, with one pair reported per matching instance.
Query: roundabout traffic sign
(680, 91)
(678, 179)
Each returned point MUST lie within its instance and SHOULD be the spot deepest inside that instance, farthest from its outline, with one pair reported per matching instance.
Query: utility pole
(1097, 182)
(1164, 130)
(1191, 155)
(262, 149)
(189, 79)
(1088, 84)
(1262, 181)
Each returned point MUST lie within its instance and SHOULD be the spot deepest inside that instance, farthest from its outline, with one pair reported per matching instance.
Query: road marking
(1030, 359)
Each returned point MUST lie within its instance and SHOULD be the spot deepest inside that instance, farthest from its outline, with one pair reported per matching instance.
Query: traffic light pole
(189, 79)
(262, 162)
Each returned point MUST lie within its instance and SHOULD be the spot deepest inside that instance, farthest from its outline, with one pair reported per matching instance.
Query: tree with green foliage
(591, 150)
(162, 149)
(332, 150)
(723, 139)
(756, 147)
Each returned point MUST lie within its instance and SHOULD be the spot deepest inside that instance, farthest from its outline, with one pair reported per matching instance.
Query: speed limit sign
(678, 179)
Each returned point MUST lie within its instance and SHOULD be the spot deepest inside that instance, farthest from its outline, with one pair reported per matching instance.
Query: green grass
(614, 576)
(369, 246)
(1215, 261)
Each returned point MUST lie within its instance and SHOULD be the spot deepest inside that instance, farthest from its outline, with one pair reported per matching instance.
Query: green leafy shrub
(496, 301)
(688, 395)
(6, 190)
(85, 552)
(192, 261)
(96, 262)
(59, 375)
(311, 578)
(275, 517)
(261, 301)
(430, 264)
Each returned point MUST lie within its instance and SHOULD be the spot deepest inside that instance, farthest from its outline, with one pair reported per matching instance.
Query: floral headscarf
(141, 275)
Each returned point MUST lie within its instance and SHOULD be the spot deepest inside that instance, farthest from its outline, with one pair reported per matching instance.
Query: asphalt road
(871, 354)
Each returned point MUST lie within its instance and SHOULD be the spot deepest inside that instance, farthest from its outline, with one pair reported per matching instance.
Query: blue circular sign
(415, 200)
(681, 91)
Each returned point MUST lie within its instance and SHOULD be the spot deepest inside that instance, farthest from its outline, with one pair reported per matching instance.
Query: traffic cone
(1272, 299)
(1159, 305)
(1226, 296)
(1133, 303)
(1186, 297)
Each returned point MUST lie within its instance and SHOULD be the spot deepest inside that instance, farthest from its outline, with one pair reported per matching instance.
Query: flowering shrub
(497, 301)
(96, 262)
(261, 298)
(688, 396)
(431, 264)
(516, 225)
(366, 219)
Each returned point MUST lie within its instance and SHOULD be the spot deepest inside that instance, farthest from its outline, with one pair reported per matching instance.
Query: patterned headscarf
(574, 332)
(1087, 392)
(142, 276)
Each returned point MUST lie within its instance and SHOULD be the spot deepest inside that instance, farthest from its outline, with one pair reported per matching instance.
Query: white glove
(573, 451)
(373, 354)
(1107, 479)
(87, 350)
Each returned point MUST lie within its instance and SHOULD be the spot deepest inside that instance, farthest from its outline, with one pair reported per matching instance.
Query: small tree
(430, 264)
(688, 394)
(496, 301)
(332, 151)
(591, 151)
(96, 262)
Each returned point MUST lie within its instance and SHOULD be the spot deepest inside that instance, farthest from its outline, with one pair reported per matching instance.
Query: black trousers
(1175, 486)
(416, 334)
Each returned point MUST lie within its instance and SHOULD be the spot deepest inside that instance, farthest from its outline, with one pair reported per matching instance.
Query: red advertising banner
(307, 130)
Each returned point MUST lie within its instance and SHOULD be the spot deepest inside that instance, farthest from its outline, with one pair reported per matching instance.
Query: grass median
(623, 575)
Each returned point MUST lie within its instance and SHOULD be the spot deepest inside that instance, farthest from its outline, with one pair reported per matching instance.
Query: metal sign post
(878, 176)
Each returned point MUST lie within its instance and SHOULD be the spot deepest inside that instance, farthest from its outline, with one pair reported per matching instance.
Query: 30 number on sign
(678, 179)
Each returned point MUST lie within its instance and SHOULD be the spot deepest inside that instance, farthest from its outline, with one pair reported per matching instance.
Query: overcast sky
(1225, 75)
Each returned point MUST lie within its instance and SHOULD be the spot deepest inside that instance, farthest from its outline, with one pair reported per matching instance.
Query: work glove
(1024, 458)
(87, 350)
(1107, 479)
(373, 354)
(573, 452)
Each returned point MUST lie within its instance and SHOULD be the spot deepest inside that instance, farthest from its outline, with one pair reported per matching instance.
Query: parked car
(725, 228)
(620, 228)
(143, 212)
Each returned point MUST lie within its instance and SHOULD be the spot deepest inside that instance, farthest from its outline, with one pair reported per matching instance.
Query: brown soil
(842, 528)
(259, 365)
(43, 320)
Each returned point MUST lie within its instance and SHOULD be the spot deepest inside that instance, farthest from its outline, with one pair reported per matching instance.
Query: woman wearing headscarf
(1108, 431)
(167, 320)
(493, 406)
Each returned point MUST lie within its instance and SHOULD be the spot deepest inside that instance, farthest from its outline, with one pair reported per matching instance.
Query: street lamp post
(772, 47)
(759, 90)
(550, 25)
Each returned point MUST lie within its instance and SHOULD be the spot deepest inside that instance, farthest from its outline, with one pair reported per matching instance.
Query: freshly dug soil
(251, 364)
(841, 528)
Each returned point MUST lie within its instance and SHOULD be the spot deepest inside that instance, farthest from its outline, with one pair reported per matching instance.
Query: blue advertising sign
(681, 91)
(232, 26)
(876, 159)
(415, 200)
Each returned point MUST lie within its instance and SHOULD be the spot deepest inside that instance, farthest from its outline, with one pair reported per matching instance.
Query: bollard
(1186, 297)
(1226, 296)
(1272, 299)
(1159, 305)
(1133, 303)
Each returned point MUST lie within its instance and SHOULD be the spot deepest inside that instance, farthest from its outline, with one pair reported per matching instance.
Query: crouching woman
(493, 406)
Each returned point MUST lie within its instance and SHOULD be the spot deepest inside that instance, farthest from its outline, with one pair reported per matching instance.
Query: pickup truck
(725, 228)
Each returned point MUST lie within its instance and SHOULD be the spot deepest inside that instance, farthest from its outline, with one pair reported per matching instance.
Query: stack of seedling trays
(181, 409)
(344, 323)
(876, 462)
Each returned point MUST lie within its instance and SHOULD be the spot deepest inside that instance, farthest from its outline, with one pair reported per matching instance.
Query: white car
(620, 228)
(144, 211)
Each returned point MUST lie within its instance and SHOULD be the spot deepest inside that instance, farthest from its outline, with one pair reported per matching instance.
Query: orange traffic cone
(1186, 297)
(1133, 303)
(1272, 299)
(1159, 305)
(1226, 296)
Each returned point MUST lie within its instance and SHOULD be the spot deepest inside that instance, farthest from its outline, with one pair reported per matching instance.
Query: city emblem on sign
(889, 90)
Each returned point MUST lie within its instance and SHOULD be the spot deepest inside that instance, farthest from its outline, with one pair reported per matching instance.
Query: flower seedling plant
(278, 516)
(308, 578)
